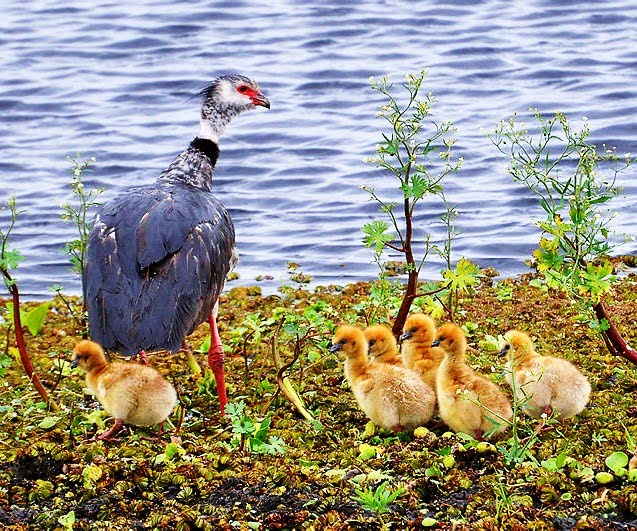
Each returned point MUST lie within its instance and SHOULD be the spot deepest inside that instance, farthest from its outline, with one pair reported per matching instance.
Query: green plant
(406, 156)
(250, 434)
(379, 500)
(79, 212)
(573, 183)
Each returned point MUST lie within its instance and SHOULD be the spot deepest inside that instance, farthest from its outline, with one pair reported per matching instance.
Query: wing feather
(157, 261)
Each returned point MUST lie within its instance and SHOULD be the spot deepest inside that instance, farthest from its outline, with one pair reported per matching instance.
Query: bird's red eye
(243, 89)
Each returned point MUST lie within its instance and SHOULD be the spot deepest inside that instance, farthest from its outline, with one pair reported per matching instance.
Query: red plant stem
(22, 346)
(412, 281)
(613, 337)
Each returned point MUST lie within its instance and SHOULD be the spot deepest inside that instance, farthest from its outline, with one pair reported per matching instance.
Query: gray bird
(158, 255)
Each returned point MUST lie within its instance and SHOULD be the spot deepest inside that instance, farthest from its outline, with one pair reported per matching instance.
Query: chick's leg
(216, 361)
(109, 435)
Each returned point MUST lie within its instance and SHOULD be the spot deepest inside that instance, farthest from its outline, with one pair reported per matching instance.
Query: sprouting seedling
(378, 500)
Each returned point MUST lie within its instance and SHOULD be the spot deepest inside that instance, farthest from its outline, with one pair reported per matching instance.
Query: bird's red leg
(216, 362)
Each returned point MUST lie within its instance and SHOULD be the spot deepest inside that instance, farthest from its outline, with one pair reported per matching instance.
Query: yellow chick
(417, 353)
(131, 393)
(394, 398)
(466, 400)
(382, 345)
(544, 383)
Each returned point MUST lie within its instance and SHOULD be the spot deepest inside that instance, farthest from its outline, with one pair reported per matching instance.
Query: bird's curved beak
(74, 363)
(260, 100)
(405, 335)
(435, 343)
(335, 347)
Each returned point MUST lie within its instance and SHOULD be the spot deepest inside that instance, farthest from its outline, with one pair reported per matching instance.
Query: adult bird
(158, 255)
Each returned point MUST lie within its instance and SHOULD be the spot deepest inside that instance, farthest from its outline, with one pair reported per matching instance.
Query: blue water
(114, 82)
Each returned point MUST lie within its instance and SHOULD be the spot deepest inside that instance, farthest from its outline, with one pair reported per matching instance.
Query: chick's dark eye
(372, 342)
(243, 89)
(414, 329)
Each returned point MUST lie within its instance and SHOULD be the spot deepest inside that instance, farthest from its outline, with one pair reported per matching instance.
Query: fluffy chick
(418, 355)
(394, 398)
(131, 393)
(382, 345)
(545, 383)
(466, 400)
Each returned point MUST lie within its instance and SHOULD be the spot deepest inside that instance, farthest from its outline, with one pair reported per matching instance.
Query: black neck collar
(207, 147)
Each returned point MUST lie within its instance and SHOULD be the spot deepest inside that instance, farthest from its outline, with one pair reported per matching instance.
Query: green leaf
(616, 461)
(173, 450)
(11, 259)
(417, 188)
(464, 276)
(34, 319)
(376, 235)
(603, 478)
(389, 146)
(48, 422)
(261, 433)
(67, 520)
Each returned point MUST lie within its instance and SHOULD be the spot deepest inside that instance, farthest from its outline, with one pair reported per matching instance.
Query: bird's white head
(226, 97)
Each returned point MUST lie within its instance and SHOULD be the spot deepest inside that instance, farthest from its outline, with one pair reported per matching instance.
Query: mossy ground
(51, 477)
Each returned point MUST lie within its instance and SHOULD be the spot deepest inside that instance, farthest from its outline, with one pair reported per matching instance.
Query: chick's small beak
(74, 363)
(259, 99)
(435, 343)
(335, 347)
(405, 335)
(504, 350)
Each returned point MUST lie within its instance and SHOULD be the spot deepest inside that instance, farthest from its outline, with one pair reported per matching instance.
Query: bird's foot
(109, 435)
(143, 359)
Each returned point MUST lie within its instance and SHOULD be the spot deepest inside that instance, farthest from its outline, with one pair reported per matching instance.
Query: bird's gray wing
(157, 259)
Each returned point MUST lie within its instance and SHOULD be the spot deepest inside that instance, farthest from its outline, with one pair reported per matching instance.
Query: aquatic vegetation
(202, 480)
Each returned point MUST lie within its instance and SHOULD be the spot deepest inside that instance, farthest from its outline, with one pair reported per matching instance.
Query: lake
(115, 82)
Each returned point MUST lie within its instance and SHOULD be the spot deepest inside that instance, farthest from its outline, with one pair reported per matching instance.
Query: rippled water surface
(114, 82)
